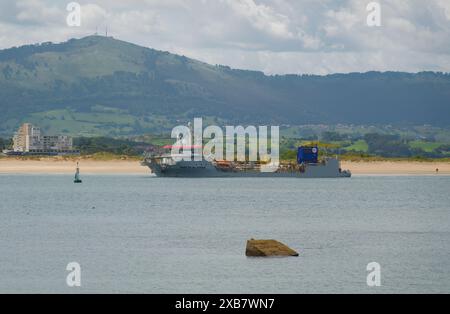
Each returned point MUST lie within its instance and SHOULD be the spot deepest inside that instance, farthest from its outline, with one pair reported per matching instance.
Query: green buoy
(77, 175)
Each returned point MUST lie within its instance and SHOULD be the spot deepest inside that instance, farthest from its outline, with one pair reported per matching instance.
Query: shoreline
(91, 166)
(61, 166)
(398, 168)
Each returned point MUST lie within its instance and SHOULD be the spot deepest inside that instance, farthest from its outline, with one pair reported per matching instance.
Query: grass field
(428, 147)
(358, 146)
(100, 121)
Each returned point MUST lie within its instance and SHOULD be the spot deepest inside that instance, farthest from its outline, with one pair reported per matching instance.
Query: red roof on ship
(183, 147)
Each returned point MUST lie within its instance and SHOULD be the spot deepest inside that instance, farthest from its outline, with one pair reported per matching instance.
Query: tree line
(5, 143)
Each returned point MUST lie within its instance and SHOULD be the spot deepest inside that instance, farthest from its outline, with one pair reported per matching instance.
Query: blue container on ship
(308, 155)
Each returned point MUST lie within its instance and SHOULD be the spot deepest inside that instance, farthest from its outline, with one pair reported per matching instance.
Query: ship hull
(203, 169)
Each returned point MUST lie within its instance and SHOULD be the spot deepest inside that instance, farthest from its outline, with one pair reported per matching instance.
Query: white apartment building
(29, 139)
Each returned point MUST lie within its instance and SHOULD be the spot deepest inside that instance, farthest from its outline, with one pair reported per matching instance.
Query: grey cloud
(276, 36)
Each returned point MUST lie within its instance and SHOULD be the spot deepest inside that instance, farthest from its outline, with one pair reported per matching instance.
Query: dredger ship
(307, 166)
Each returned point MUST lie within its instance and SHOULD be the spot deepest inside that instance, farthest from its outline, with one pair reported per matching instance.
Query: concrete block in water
(268, 248)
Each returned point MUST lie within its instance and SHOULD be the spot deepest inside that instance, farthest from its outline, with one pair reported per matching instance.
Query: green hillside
(102, 86)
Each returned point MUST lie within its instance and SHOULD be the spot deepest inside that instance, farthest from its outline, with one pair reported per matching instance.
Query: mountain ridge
(144, 83)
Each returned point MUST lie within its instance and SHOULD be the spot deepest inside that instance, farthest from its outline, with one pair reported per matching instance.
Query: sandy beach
(397, 168)
(55, 166)
(58, 166)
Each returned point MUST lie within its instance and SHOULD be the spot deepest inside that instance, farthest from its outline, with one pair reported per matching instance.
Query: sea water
(140, 234)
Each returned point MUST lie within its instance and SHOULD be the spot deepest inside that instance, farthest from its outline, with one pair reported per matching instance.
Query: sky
(273, 36)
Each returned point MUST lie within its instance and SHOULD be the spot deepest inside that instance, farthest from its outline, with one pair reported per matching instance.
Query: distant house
(29, 140)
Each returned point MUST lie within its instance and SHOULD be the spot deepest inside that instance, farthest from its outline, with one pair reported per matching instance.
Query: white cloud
(93, 15)
(37, 12)
(262, 17)
(275, 36)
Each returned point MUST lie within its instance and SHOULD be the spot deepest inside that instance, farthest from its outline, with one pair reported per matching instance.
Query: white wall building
(29, 139)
